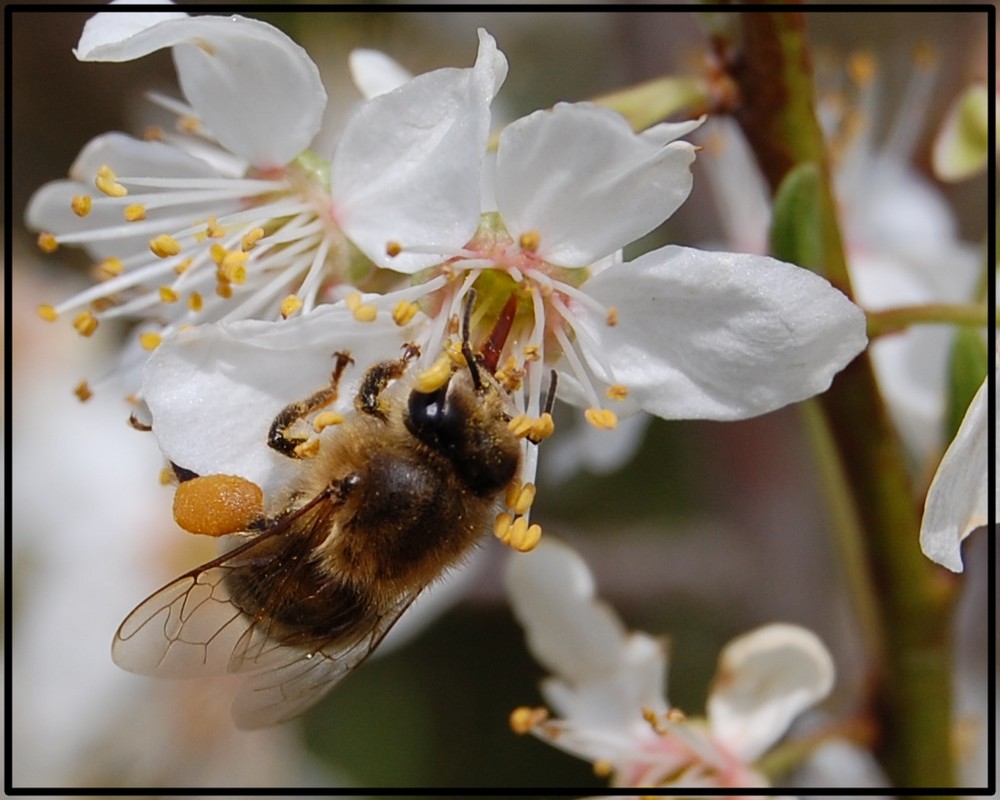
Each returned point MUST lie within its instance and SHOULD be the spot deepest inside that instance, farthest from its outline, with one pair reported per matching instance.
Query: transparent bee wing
(188, 628)
(299, 678)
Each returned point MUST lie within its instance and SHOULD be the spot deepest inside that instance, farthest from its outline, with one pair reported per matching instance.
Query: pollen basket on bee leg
(216, 505)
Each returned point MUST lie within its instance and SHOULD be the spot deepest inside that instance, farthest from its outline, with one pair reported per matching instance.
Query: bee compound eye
(432, 419)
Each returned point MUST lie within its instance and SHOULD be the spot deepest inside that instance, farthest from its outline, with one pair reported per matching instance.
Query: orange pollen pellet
(216, 505)
(164, 246)
(195, 301)
(150, 340)
(85, 323)
(290, 305)
(47, 243)
(134, 212)
(48, 313)
(81, 204)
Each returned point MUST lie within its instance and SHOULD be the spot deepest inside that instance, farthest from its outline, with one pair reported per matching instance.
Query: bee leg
(279, 437)
(379, 376)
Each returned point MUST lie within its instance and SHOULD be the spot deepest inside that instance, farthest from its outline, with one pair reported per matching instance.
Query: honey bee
(397, 493)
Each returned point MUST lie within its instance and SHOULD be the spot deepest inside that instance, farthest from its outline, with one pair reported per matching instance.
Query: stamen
(290, 305)
(47, 243)
(85, 323)
(81, 204)
(433, 378)
(530, 241)
(404, 311)
(107, 182)
(134, 212)
(520, 500)
(393, 249)
(523, 719)
(603, 768)
(164, 246)
(168, 295)
(250, 238)
(308, 449)
(612, 317)
(109, 268)
(617, 391)
(601, 418)
(362, 313)
(195, 301)
(82, 391)
(150, 340)
(48, 313)
(233, 267)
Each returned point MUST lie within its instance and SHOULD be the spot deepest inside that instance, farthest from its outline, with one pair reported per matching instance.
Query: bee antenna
(470, 359)
(550, 398)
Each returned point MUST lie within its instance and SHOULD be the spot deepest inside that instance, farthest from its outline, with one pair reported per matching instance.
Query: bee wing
(192, 626)
(296, 678)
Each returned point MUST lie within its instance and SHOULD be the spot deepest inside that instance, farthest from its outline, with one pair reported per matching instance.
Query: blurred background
(706, 531)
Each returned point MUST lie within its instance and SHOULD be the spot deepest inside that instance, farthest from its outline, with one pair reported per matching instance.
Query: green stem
(913, 597)
(893, 320)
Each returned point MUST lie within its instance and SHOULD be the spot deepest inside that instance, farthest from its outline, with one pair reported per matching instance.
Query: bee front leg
(379, 376)
(279, 436)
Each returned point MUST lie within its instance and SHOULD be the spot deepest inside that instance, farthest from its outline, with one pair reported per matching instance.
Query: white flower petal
(600, 452)
(720, 335)
(375, 73)
(214, 391)
(956, 501)
(257, 91)
(765, 679)
(407, 167)
(582, 179)
(603, 675)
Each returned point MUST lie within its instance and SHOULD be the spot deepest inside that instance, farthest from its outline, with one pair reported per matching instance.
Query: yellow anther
(353, 301)
(82, 391)
(153, 133)
(612, 317)
(307, 449)
(108, 268)
(164, 246)
(365, 313)
(675, 715)
(861, 67)
(602, 418)
(48, 313)
(134, 212)
(195, 301)
(436, 376)
(188, 124)
(542, 428)
(85, 323)
(523, 719)
(213, 230)
(520, 425)
(182, 266)
(290, 305)
(652, 720)
(404, 311)
(217, 253)
(520, 500)
(168, 295)
(393, 249)
(523, 537)
(455, 354)
(150, 340)
(617, 391)
(530, 240)
(47, 243)
(233, 267)
(81, 204)
(250, 238)
(167, 477)
(501, 526)
(532, 352)
(107, 182)
(326, 419)
(224, 290)
(603, 768)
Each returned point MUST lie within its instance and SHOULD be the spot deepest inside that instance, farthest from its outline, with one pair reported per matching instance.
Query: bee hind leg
(279, 437)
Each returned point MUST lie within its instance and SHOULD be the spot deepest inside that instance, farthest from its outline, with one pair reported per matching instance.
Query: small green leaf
(796, 227)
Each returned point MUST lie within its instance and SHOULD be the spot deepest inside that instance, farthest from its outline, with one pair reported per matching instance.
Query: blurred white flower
(607, 686)
(233, 218)
(956, 502)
